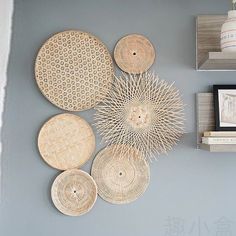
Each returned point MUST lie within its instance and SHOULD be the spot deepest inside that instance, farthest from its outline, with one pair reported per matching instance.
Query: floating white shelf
(219, 61)
(208, 53)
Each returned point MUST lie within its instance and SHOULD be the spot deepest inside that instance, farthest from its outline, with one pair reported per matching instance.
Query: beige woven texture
(134, 54)
(74, 192)
(74, 70)
(142, 111)
(121, 178)
(66, 141)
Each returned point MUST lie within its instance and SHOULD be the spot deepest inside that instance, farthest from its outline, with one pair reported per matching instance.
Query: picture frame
(225, 107)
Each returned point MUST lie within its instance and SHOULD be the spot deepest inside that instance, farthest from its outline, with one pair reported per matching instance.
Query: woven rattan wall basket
(74, 192)
(138, 115)
(134, 54)
(121, 178)
(66, 141)
(74, 70)
(142, 111)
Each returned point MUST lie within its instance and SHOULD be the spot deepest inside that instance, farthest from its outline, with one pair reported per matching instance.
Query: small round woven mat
(74, 192)
(66, 141)
(121, 178)
(74, 70)
(134, 54)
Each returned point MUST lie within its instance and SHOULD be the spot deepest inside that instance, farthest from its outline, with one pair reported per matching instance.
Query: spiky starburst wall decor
(143, 112)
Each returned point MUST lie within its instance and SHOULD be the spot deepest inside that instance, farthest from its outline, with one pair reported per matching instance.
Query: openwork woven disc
(134, 54)
(142, 111)
(66, 141)
(74, 70)
(74, 192)
(121, 178)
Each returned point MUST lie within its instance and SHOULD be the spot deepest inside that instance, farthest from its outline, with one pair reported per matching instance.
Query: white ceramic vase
(228, 33)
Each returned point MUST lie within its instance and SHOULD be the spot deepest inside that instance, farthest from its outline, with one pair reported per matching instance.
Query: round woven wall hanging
(74, 192)
(66, 141)
(142, 111)
(74, 70)
(121, 178)
(134, 54)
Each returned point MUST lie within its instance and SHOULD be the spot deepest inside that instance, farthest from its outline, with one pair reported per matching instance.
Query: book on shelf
(219, 134)
(218, 147)
(219, 140)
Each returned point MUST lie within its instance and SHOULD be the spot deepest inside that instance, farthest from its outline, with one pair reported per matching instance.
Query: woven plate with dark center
(120, 177)
(74, 192)
(66, 141)
(134, 54)
(74, 70)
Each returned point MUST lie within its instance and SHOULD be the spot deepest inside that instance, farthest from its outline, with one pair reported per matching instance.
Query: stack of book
(219, 141)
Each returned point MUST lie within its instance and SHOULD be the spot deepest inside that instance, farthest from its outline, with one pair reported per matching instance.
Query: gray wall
(194, 188)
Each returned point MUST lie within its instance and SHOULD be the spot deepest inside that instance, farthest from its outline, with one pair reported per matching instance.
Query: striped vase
(228, 33)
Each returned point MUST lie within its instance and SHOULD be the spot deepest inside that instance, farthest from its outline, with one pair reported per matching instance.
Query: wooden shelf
(208, 52)
(204, 114)
(218, 61)
(206, 122)
(218, 147)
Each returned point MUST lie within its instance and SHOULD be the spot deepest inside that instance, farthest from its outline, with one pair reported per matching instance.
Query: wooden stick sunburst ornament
(143, 112)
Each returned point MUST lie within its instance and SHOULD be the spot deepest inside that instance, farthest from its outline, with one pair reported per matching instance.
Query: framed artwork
(225, 107)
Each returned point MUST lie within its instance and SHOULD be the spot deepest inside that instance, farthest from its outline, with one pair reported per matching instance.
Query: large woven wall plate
(66, 141)
(74, 70)
(74, 192)
(121, 178)
(134, 54)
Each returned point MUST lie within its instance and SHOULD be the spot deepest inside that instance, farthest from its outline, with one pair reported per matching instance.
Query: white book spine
(220, 134)
(219, 140)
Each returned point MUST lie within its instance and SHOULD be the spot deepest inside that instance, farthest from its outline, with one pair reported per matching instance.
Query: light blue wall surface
(194, 188)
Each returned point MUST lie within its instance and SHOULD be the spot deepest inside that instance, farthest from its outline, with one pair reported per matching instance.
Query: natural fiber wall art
(120, 178)
(134, 54)
(143, 112)
(74, 192)
(66, 141)
(138, 116)
(74, 70)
